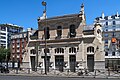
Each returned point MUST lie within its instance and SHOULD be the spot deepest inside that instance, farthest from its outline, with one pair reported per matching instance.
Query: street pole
(45, 59)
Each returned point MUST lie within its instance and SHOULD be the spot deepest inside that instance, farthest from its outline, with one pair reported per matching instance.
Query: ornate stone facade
(68, 45)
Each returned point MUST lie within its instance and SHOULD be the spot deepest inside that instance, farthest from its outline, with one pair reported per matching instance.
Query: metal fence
(97, 73)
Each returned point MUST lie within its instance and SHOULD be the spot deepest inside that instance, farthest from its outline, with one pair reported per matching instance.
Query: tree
(4, 54)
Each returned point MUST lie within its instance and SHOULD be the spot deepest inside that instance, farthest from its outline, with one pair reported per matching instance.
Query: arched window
(72, 30)
(59, 31)
(62, 50)
(90, 49)
(72, 50)
(33, 51)
(59, 50)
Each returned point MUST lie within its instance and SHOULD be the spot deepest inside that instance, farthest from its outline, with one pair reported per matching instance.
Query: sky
(25, 12)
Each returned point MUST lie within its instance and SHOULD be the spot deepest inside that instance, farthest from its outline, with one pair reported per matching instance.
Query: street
(46, 78)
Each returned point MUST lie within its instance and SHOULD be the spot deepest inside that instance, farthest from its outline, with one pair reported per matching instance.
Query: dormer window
(59, 31)
(72, 30)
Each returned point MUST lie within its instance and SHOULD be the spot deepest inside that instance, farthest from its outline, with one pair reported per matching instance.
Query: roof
(88, 27)
(61, 17)
(11, 25)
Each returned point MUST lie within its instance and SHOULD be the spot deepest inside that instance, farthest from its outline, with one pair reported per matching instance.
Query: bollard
(28, 70)
(67, 72)
(95, 74)
(17, 71)
(108, 71)
(54, 71)
(41, 71)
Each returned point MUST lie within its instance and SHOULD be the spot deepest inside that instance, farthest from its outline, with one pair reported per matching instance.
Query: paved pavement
(4, 77)
(27, 73)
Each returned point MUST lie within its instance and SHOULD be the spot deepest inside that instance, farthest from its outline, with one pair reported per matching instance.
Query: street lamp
(45, 59)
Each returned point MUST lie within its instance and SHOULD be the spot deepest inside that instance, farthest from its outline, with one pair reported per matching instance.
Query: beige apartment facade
(69, 45)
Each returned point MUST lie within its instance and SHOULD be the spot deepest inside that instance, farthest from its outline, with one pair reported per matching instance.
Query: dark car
(3, 69)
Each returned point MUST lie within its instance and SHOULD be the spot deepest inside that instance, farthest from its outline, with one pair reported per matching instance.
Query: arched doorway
(90, 58)
(59, 62)
(72, 58)
(90, 62)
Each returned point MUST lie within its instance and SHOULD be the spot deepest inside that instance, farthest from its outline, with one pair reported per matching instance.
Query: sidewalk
(62, 74)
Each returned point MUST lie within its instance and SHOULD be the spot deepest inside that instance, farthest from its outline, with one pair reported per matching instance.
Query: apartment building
(5, 33)
(111, 37)
(18, 45)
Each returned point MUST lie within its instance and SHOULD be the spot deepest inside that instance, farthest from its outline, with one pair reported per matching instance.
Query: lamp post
(45, 59)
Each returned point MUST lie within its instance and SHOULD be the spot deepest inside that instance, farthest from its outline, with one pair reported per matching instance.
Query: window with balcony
(106, 29)
(3, 28)
(3, 33)
(106, 35)
(2, 37)
(106, 41)
(106, 53)
(114, 23)
(113, 53)
(113, 34)
(106, 46)
(72, 30)
(106, 23)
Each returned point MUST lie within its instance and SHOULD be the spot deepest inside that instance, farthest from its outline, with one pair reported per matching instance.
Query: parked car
(3, 69)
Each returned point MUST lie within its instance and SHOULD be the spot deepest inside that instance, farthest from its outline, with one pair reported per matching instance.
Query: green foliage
(4, 54)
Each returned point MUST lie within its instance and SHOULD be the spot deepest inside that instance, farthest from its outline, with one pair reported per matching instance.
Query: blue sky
(25, 12)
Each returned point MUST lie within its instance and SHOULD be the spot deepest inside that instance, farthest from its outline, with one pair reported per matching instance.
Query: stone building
(69, 44)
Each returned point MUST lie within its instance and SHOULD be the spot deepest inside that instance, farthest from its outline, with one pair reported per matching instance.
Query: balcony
(13, 51)
(18, 50)
(18, 41)
(18, 46)
(13, 46)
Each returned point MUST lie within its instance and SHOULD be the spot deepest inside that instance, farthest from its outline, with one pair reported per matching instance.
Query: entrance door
(72, 59)
(90, 62)
(59, 62)
(32, 58)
